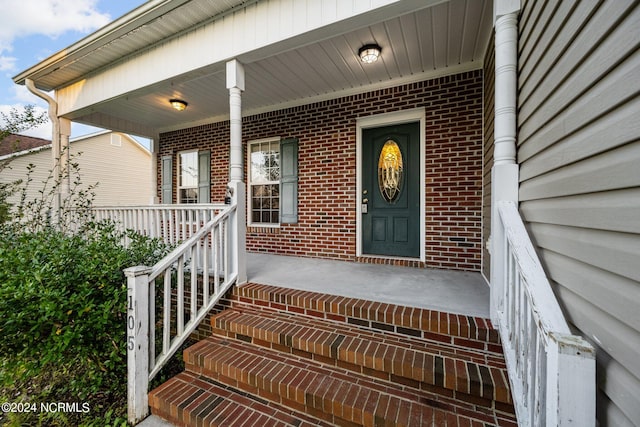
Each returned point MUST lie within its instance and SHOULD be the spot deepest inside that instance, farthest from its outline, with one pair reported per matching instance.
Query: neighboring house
(391, 162)
(115, 161)
(13, 143)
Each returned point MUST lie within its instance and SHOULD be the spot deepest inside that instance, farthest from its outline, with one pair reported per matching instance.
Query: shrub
(64, 296)
(63, 300)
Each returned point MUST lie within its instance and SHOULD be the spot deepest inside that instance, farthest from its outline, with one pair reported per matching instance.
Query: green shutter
(167, 180)
(204, 177)
(289, 181)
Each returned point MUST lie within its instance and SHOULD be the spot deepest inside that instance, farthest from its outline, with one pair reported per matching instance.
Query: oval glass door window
(390, 171)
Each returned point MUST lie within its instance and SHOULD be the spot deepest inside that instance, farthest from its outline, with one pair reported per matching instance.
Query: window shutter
(289, 181)
(167, 180)
(204, 177)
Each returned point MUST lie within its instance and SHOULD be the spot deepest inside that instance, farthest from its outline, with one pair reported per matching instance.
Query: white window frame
(179, 187)
(250, 222)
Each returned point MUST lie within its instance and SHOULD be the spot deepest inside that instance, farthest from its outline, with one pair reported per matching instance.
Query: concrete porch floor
(459, 292)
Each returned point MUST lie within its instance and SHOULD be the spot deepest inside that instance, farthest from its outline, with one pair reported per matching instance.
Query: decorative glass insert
(390, 171)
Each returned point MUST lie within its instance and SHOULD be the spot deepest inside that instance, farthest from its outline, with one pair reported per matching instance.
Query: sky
(33, 30)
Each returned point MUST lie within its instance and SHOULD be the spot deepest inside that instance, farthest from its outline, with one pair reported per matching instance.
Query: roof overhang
(122, 76)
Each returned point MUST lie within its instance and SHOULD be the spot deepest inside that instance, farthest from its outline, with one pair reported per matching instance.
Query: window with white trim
(188, 177)
(264, 182)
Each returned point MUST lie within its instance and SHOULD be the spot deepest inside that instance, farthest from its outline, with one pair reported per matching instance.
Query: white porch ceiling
(442, 39)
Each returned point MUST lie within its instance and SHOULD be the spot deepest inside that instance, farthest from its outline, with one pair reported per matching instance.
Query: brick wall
(327, 168)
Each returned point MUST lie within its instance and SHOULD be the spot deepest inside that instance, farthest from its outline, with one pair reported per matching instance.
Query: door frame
(380, 120)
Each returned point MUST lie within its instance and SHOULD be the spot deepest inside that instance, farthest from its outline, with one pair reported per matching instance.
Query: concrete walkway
(459, 292)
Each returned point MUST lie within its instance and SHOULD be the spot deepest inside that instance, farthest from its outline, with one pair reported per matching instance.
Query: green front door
(391, 190)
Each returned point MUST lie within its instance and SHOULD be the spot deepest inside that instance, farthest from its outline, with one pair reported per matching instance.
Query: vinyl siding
(487, 153)
(579, 156)
(123, 173)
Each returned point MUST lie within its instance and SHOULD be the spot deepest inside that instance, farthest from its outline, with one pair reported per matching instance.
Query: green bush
(63, 305)
(62, 297)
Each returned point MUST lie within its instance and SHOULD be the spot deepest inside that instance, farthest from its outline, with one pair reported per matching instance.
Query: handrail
(171, 223)
(173, 256)
(552, 373)
(202, 263)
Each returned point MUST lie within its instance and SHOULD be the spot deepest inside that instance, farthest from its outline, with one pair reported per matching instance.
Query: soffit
(149, 24)
(437, 40)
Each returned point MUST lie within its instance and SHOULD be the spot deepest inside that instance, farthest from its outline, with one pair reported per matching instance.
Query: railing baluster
(180, 298)
(216, 258)
(135, 223)
(172, 227)
(541, 374)
(508, 290)
(166, 321)
(225, 251)
(205, 261)
(194, 291)
(152, 323)
(155, 214)
(182, 225)
(532, 367)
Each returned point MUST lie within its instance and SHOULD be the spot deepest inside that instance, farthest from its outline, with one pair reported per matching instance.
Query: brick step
(192, 400)
(449, 370)
(332, 394)
(456, 329)
(437, 347)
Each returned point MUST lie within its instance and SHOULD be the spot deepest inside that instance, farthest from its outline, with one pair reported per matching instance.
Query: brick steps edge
(336, 396)
(370, 355)
(456, 329)
(188, 399)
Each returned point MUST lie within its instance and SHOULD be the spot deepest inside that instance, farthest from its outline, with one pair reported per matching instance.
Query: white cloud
(42, 131)
(7, 63)
(22, 95)
(50, 18)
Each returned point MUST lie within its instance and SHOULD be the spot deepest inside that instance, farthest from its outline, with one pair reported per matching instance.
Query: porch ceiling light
(369, 53)
(178, 104)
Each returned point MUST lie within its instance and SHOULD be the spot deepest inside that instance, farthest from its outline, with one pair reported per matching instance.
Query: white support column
(506, 27)
(153, 147)
(235, 84)
(504, 174)
(238, 226)
(237, 188)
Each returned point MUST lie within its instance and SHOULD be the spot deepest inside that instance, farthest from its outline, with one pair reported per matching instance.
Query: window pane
(265, 202)
(258, 168)
(188, 195)
(265, 162)
(189, 169)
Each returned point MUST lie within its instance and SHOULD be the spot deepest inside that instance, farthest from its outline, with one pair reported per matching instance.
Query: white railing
(171, 223)
(168, 301)
(551, 371)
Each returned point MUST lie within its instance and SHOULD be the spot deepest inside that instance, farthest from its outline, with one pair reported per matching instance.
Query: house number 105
(131, 323)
